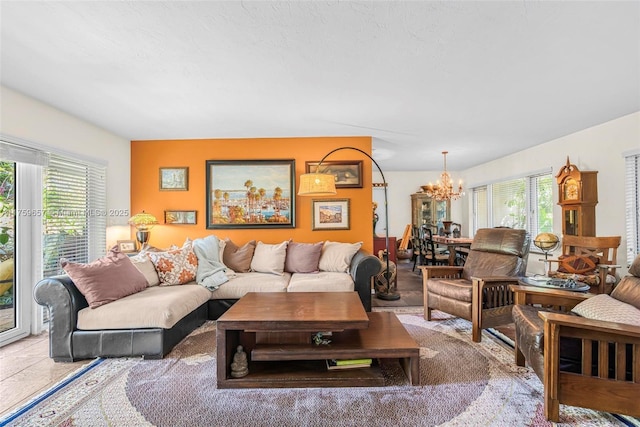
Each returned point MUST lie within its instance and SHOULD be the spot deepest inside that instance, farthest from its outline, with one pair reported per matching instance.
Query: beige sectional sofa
(149, 322)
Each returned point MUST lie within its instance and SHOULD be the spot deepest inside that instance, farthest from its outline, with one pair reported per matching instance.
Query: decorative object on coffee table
(240, 365)
(321, 183)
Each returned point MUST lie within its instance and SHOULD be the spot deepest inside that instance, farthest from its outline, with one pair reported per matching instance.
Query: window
(525, 202)
(74, 206)
(632, 205)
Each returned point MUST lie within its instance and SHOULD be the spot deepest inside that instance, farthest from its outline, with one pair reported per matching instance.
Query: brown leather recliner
(479, 291)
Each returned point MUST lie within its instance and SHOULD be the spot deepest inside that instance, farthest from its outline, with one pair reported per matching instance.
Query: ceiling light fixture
(443, 189)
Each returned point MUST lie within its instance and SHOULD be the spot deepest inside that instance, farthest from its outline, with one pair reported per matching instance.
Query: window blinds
(523, 202)
(632, 205)
(74, 212)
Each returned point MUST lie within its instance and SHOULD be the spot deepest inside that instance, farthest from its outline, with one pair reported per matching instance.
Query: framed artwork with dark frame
(250, 193)
(348, 173)
(330, 214)
(180, 217)
(174, 179)
(127, 246)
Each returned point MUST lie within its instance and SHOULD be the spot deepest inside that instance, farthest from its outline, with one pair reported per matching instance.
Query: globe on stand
(546, 242)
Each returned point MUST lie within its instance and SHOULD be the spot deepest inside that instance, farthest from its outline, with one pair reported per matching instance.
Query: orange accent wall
(148, 156)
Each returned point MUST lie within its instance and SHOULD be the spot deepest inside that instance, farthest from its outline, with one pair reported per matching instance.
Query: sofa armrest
(63, 299)
(363, 267)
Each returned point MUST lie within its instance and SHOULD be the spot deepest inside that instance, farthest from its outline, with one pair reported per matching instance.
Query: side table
(547, 282)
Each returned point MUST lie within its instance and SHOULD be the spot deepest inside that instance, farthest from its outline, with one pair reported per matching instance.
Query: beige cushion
(269, 258)
(337, 256)
(242, 283)
(165, 306)
(238, 258)
(144, 264)
(106, 279)
(604, 307)
(324, 281)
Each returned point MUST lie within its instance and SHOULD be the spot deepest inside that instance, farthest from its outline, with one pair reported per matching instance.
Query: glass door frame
(28, 250)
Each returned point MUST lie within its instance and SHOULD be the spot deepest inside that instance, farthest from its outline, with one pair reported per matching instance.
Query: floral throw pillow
(176, 266)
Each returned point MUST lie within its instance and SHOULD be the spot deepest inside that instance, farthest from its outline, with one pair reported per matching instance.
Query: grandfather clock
(578, 197)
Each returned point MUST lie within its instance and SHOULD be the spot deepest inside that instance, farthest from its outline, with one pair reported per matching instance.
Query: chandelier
(443, 189)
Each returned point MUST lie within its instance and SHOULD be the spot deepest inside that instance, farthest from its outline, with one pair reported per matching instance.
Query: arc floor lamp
(323, 184)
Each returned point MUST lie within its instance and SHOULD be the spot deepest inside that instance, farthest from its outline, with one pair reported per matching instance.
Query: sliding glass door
(8, 294)
(20, 266)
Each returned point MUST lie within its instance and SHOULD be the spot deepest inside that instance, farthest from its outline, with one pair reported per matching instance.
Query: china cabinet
(427, 211)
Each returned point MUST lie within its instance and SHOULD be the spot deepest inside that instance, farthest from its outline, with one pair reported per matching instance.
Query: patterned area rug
(464, 383)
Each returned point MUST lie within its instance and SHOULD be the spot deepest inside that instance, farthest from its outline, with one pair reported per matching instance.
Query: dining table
(452, 243)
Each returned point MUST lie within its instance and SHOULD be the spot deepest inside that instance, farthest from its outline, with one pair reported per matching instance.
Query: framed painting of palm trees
(250, 193)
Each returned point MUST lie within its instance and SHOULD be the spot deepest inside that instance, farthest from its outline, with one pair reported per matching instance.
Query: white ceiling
(480, 79)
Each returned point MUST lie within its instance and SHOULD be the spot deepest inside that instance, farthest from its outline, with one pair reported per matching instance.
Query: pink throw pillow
(303, 257)
(106, 279)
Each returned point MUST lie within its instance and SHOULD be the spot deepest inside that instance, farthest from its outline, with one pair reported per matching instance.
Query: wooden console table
(275, 329)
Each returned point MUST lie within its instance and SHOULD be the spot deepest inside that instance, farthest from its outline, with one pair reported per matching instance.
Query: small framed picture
(330, 214)
(180, 217)
(174, 179)
(348, 174)
(127, 246)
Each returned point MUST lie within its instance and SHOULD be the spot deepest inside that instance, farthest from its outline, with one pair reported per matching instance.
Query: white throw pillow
(337, 256)
(269, 258)
(603, 307)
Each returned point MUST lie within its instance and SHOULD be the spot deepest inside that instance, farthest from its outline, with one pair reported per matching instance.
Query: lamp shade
(143, 221)
(317, 184)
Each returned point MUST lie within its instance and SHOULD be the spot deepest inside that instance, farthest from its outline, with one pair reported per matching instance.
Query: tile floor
(26, 370)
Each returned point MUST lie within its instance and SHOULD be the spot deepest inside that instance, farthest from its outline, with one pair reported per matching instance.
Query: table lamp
(143, 222)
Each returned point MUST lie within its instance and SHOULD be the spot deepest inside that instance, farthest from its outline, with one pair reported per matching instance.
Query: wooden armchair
(479, 291)
(591, 260)
(581, 362)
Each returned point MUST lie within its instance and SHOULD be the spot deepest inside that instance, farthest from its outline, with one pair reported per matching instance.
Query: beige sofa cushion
(336, 256)
(324, 281)
(163, 307)
(269, 258)
(242, 283)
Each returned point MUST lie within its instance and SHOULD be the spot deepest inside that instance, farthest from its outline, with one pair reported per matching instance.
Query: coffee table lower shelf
(304, 373)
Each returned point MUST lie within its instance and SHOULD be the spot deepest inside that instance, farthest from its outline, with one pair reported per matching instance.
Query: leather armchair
(581, 361)
(479, 290)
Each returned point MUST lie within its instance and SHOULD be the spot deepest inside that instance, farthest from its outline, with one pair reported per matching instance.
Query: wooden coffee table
(276, 329)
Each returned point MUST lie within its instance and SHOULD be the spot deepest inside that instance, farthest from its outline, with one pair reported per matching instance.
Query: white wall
(401, 185)
(598, 148)
(31, 120)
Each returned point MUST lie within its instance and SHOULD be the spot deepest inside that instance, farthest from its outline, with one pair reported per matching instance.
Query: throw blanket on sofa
(211, 272)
